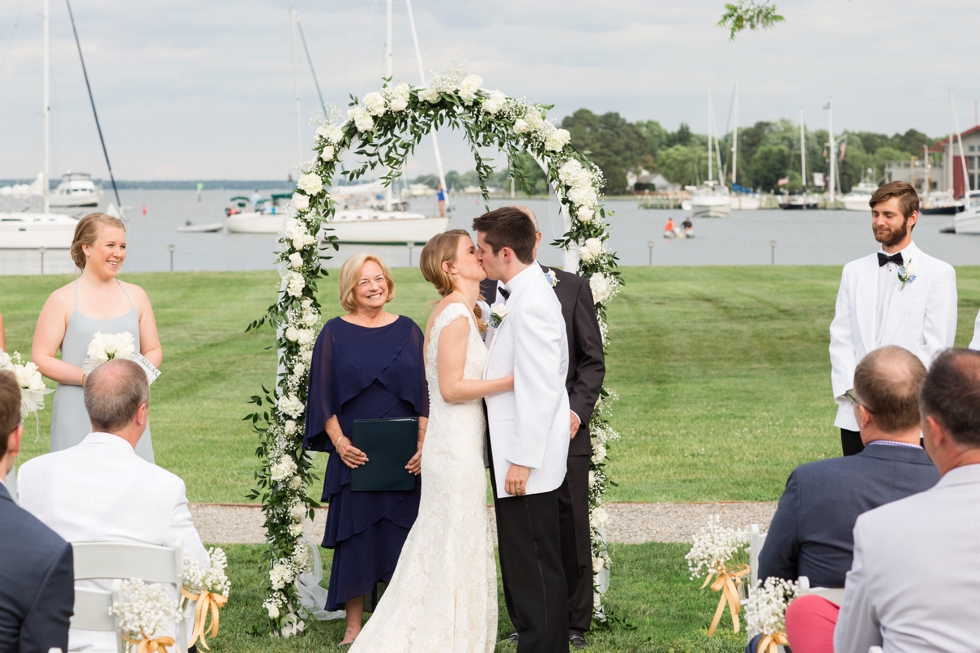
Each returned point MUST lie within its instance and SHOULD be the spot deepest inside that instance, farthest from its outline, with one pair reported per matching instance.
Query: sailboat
(802, 201)
(366, 225)
(742, 199)
(33, 230)
(859, 196)
(711, 199)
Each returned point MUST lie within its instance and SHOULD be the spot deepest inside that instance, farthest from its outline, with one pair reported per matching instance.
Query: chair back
(756, 540)
(833, 594)
(875, 649)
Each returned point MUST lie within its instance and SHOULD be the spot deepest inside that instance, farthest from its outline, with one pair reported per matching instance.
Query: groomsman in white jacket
(975, 345)
(101, 491)
(897, 296)
(529, 431)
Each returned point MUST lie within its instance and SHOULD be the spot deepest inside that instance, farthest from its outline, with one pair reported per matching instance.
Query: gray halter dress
(69, 419)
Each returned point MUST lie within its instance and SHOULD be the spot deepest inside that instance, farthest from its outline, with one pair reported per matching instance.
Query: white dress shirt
(888, 285)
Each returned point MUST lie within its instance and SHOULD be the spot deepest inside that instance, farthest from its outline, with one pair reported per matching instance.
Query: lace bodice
(443, 594)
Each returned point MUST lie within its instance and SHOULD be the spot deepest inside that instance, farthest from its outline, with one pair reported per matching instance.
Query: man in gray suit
(915, 583)
(36, 577)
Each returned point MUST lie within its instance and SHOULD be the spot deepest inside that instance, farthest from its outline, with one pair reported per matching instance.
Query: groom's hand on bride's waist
(515, 483)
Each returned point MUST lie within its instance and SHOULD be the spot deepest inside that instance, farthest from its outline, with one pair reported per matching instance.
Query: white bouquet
(765, 610)
(208, 588)
(145, 611)
(32, 388)
(110, 346)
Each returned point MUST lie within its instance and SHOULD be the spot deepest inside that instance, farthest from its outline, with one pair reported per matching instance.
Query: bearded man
(897, 296)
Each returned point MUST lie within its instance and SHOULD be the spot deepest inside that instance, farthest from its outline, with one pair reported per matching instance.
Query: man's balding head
(114, 393)
(887, 382)
(951, 395)
(529, 213)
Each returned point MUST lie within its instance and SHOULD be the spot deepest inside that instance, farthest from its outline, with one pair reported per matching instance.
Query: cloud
(205, 89)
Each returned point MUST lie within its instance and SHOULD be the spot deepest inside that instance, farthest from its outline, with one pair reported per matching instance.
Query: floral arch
(383, 128)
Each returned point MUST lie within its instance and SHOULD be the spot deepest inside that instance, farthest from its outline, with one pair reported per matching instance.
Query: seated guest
(915, 581)
(36, 580)
(100, 490)
(810, 534)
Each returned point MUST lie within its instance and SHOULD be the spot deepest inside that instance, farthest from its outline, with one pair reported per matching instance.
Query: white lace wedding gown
(443, 593)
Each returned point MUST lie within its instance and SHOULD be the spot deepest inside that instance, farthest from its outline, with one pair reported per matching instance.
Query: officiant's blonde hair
(350, 273)
(87, 232)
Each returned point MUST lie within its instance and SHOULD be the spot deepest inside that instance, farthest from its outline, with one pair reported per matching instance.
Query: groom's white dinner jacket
(101, 491)
(529, 424)
(920, 318)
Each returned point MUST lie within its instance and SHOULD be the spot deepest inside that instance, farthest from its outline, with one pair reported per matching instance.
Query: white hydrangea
(295, 284)
(283, 469)
(295, 483)
(592, 250)
(289, 427)
(399, 97)
(598, 453)
(714, 546)
(574, 174)
(310, 183)
(328, 153)
(765, 608)
(331, 133)
(291, 405)
(533, 118)
(361, 119)
(598, 517)
(584, 196)
(375, 104)
(429, 94)
(494, 102)
(281, 574)
(297, 232)
(468, 88)
(557, 139)
(520, 126)
(601, 287)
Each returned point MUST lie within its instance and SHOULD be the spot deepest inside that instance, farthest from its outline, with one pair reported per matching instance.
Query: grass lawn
(723, 373)
(642, 578)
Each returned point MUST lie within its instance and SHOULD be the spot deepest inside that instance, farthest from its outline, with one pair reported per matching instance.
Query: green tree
(768, 165)
(615, 144)
(684, 164)
(749, 14)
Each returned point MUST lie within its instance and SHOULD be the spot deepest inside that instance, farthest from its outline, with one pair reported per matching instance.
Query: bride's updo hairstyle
(87, 232)
(442, 249)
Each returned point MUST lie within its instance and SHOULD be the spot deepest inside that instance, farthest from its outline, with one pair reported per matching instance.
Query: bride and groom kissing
(443, 593)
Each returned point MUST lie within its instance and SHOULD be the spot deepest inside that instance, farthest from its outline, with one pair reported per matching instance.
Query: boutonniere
(497, 315)
(907, 273)
(551, 278)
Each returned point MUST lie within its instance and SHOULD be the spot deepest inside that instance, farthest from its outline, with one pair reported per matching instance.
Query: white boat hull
(361, 226)
(35, 230)
(857, 204)
(717, 208)
(745, 203)
(59, 200)
(967, 223)
(214, 227)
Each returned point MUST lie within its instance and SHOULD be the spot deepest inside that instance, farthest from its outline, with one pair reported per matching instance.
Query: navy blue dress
(364, 373)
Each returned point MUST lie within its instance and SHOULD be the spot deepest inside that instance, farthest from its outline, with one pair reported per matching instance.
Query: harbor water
(744, 238)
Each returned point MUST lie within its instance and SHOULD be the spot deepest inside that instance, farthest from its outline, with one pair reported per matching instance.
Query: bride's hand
(351, 455)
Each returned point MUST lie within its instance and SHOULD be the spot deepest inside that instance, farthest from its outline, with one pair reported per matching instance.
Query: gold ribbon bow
(154, 645)
(727, 583)
(206, 602)
(771, 643)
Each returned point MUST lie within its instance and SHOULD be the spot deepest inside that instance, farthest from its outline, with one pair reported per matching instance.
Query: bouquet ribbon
(771, 643)
(148, 645)
(206, 602)
(726, 582)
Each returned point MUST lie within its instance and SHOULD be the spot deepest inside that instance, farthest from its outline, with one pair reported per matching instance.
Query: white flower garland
(384, 127)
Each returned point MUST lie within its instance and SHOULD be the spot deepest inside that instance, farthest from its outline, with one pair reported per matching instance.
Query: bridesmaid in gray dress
(96, 301)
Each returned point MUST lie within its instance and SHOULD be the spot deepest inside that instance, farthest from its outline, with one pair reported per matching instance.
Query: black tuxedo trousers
(529, 544)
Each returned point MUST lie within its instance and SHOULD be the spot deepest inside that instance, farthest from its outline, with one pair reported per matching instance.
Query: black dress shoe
(577, 640)
(513, 637)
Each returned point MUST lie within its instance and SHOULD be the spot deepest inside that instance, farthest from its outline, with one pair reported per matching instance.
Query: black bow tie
(885, 259)
(506, 293)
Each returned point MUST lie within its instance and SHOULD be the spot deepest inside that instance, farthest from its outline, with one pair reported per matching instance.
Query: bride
(443, 593)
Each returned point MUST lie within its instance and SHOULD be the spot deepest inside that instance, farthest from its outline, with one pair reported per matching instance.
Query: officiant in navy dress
(366, 364)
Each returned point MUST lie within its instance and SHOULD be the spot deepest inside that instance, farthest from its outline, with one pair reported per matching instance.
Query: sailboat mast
(959, 139)
(418, 57)
(46, 182)
(299, 136)
(711, 151)
(803, 154)
(735, 135)
(949, 157)
(388, 76)
(833, 156)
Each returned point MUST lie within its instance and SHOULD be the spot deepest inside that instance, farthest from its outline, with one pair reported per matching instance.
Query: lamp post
(171, 248)
(411, 247)
(772, 244)
(42, 249)
(650, 246)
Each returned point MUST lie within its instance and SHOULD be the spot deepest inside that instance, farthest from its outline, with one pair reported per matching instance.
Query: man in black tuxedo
(37, 587)
(586, 370)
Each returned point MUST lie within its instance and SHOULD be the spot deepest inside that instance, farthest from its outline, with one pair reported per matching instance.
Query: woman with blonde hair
(95, 302)
(443, 594)
(367, 364)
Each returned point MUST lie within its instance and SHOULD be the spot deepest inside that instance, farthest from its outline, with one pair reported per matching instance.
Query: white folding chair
(756, 540)
(875, 649)
(833, 594)
(91, 612)
(120, 561)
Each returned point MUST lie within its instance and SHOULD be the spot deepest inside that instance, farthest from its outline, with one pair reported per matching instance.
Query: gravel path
(629, 523)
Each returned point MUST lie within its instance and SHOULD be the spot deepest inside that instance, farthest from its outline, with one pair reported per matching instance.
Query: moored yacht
(860, 195)
(711, 200)
(76, 189)
(35, 230)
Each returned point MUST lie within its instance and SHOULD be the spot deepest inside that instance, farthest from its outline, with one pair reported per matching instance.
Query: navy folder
(389, 444)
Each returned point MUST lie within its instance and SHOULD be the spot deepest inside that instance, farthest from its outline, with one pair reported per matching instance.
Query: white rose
(327, 153)
(494, 101)
(332, 133)
(399, 104)
(310, 318)
(429, 95)
(399, 97)
(283, 469)
(597, 565)
(295, 483)
(911, 268)
(301, 202)
(557, 140)
(299, 369)
(298, 511)
(584, 196)
(292, 334)
(598, 518)
(533, 118)
(362, 119)
(296, 529)
(296, 260)
(273, 610)
(584, 215)
(569, 171)
(599, 450)
(289, 427)
(591, 478)
(591, 250)
(520, 126)
(306, 337)
(468, 88)
(374, 103)
(291, 405)
(310, 183)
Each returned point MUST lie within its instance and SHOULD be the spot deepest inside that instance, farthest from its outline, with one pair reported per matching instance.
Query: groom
(529, 431)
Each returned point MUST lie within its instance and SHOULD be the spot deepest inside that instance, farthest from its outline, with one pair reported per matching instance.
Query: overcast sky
(204, 89)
